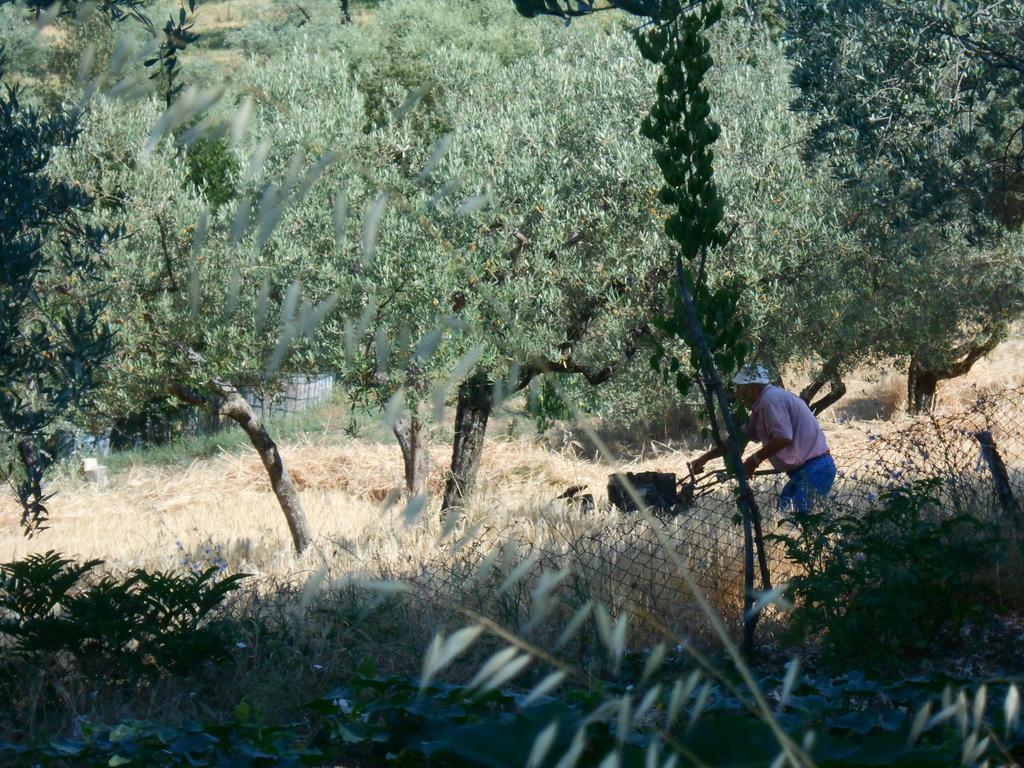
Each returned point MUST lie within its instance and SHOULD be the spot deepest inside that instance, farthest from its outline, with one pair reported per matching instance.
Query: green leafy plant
(51, 316)
(214, 169)
(899, 573)
(397, 720)
(407, 723)
(239, 744)
(393, 720)
(140, 624)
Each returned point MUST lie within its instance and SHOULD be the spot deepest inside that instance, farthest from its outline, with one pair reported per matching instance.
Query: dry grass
(352, 492)
(235, 14)
(160, 517)
(881, 394)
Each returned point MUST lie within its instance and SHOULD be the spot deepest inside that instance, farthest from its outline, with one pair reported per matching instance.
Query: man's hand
(751, 464)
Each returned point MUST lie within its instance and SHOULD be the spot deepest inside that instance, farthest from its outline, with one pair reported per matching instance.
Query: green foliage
(140, 624)
(52, 324)
(900, 574)
(238, 744)
(451, 725)
(918, 104)
(399, 53)
(679, 124)
(21, 41)
(214, 169)
(504, 260)
(918, 109)
(237, 292)
(546, 401)
(403, 723)
(393, 720)
(683, 132)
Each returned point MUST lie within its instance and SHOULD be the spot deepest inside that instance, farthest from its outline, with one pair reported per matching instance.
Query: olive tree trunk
(921, 386)
(233, 405)
(836, 390)
(475, 401)
(923, 380)
(412, 439)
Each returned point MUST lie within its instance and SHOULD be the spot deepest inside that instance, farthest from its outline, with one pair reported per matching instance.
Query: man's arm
(698, 464)
(765, 452)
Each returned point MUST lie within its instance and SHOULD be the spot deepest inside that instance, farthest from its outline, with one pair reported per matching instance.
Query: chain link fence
(565, 563)
(160, 426)
(296, 394)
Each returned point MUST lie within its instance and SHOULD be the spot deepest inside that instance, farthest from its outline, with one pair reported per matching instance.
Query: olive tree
(784, 217)
(55, 317)
(546, 258)
(785, 228)
(206, 303)
(919, 109)
(475, 248)
(349, 224)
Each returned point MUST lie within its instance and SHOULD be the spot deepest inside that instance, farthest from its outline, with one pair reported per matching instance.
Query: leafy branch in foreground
(705, 316)
(167, 41)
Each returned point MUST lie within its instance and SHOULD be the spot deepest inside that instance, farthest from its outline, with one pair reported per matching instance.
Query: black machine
(661, 492)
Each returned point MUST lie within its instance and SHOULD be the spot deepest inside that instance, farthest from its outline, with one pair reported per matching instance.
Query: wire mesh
(294, 395)
(630, 563)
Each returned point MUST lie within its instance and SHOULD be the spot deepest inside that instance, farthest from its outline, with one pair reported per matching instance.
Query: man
(790, 436)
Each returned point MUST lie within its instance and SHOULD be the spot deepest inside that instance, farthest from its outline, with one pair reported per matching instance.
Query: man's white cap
(752, 373)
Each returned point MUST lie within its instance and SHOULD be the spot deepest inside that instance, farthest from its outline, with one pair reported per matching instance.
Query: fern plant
(139, 624)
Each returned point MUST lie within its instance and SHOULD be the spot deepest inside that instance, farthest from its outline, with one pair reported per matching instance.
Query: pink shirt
(778, 413)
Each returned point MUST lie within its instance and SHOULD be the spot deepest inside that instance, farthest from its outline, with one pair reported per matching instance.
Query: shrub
(213, 168)
(139, 624)
(899, 574)
(22, 41)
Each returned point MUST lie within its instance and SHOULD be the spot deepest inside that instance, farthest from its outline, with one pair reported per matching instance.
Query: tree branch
(973, 355)
(539, 364)
(186, 394)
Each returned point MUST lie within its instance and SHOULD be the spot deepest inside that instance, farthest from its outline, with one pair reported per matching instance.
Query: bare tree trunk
(922, 381)
(412, 439)
(921, 387)
(836, 390)
(474, 408)
(237, 408)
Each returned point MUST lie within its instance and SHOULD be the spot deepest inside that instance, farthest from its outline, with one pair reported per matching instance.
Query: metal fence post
(1000, 478)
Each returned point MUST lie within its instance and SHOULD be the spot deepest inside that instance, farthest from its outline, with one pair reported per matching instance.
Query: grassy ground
(302, 626)
(212, 490)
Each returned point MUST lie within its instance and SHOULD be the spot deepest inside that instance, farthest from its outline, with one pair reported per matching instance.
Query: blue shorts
(812, 480)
